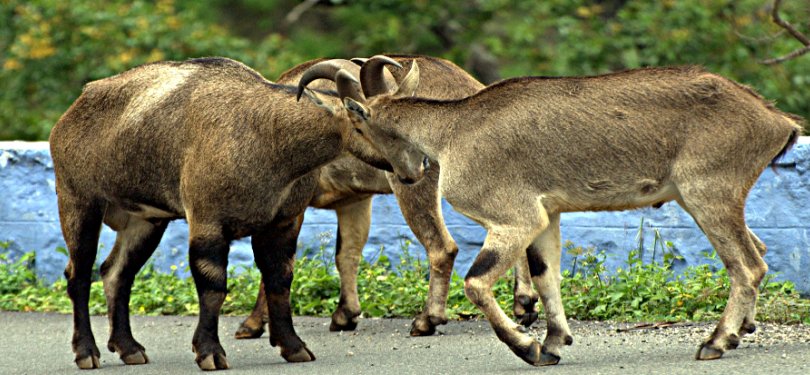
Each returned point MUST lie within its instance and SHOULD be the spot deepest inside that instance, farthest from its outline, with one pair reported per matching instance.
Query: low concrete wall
(778, 211)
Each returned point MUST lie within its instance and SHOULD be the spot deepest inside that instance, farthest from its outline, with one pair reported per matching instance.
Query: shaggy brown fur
(208, 140)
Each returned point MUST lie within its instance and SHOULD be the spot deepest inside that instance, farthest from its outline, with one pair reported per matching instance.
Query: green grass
(636, 292)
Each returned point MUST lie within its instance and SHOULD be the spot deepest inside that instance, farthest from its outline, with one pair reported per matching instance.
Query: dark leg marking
(209, 261)
(482, 264)
(537, 266)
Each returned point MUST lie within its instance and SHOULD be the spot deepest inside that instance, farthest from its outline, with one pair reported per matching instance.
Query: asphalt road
(35, 343)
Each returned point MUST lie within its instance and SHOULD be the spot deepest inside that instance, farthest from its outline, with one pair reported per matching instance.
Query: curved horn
(347, 85)
(326, 70)
(359, 60)
(371, 75)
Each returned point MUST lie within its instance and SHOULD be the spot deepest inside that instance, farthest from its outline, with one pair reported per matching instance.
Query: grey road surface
(36, 343)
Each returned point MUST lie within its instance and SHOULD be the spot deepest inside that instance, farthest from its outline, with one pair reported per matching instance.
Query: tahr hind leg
(208, 260)
(135, 243)
(749, 324)
(501, 249)
(354, 221)
(721, 217)
(81, 222)
(274, 251)
(544, 265)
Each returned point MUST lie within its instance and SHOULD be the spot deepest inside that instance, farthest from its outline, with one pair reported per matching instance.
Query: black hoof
(245, 332)
(531, 354)
(302, 355)
(426, 326)
(707, 353)
(548, 359)
(351, 325)
(422, 330)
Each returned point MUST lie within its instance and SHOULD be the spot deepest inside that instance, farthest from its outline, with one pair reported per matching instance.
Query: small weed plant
(637, 291)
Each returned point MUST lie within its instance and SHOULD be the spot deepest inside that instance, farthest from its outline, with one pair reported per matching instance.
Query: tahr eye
(358, 131)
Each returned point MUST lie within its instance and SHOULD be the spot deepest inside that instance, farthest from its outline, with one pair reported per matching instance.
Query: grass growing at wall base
(636, 292)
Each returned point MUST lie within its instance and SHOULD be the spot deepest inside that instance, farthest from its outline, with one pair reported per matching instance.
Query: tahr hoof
(351, 325)
(137, 358)
(89, 362)
(548, 359)
(245, 332)
(422, 327)
(527, 319)
(302, 355)
(426, 326)
(707, 352)
(531, 355)
(215, 361)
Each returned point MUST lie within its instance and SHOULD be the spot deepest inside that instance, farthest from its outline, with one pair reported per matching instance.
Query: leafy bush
(637, 292)
(652, 291)
(51, 48)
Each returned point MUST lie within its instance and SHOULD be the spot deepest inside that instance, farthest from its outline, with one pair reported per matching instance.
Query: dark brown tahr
(208, 140)
(520, 152)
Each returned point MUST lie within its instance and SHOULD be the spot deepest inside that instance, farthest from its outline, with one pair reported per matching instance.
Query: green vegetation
(51, 48)
(637, 292)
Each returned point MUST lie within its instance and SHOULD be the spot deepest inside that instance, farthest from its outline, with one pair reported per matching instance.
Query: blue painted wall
(778, 211)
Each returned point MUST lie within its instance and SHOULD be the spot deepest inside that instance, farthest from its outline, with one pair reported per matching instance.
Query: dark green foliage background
(51, 48)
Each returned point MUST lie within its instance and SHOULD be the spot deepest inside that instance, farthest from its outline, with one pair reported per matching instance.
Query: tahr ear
(409, 84)
(315, 99)
(356, 109)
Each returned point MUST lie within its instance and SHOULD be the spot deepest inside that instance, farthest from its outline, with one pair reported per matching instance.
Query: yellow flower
(27, 39)
(584, 12)
(173, 267)
(157, 55)
(142, 309)
(744, 20)
(173, 22)
(170, 299)
(165, 6)
(41, 49)
(142, 23)
(126, 56)
(680, 34)
(12, 64)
